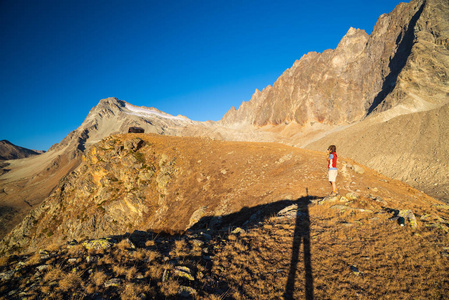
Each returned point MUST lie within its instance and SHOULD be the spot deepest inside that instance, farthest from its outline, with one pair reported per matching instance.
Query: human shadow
(213, 230)
(301, 235)
(247, 218)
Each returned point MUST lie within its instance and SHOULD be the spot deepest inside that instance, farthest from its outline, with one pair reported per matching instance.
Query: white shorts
(333, 175)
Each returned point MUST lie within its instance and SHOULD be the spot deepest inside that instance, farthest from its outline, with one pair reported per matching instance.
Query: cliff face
(406, 52)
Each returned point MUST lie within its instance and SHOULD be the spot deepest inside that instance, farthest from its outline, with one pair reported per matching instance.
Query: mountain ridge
(371, 62)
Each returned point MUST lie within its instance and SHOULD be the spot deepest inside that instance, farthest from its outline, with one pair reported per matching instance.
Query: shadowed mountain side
(11, 151)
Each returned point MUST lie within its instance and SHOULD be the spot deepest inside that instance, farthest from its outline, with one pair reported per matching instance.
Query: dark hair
(332, 148)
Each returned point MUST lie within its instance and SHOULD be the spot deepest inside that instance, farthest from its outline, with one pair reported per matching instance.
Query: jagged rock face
(420, 82)
(346, 84)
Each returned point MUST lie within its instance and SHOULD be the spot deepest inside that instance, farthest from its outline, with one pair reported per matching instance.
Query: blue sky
(59, 58)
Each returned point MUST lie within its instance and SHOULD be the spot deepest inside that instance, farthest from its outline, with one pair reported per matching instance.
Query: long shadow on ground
(208, 233)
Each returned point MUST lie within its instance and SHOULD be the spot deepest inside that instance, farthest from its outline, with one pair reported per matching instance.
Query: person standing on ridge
(332, 166)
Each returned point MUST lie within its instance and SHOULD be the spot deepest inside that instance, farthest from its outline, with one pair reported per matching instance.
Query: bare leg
(334, 187)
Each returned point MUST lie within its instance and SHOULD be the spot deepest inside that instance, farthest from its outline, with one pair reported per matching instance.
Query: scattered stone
(113, 282)
(91, 259)
(166, 275)
(343, 199)
(184, 272)
(340, 207)
(289, 212)
(186, 291)
(42, 268)
(355, 270)
(133, 145)
(330, 199)
(410, 216)
(441, 206)
(197, 242)
(238, 230)
(131, 244)
(380, 200)
(197, 215)
(357, 169)
(97, 244)
(284, 158)
(351, 196)
(7, 275)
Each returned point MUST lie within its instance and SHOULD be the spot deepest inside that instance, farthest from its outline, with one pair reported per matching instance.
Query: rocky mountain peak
(364, 74)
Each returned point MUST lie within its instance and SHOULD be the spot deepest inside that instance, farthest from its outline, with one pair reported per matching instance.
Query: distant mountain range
(10, 151)
(382, 98)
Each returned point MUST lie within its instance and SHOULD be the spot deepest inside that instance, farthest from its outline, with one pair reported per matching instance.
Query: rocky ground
(343, 247)
(238, 221)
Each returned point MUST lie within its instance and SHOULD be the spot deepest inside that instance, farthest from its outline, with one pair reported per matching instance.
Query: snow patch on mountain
(148, 112)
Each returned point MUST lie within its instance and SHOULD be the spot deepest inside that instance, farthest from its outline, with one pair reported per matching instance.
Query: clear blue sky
(59, 58)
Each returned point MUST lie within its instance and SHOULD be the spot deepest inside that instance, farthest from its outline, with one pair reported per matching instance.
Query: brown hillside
(150, 182)
(250, 221)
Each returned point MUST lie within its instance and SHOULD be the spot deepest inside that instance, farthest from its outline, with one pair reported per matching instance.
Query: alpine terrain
(240, 208)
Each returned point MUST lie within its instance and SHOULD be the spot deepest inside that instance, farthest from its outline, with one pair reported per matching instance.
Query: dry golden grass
(169, 288)
(99, 278)
(52, 247)
(393, 261)
(180, 249)
(152, 255)
(150, 243)
(76, 250)
(133, 291)
(139, 254)
(69, 282)
(154, 271)
(4, 261)
(34, 259)
(131, 273)
(124, 244)
(45, 289)
(119, 270)
(54, 274)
